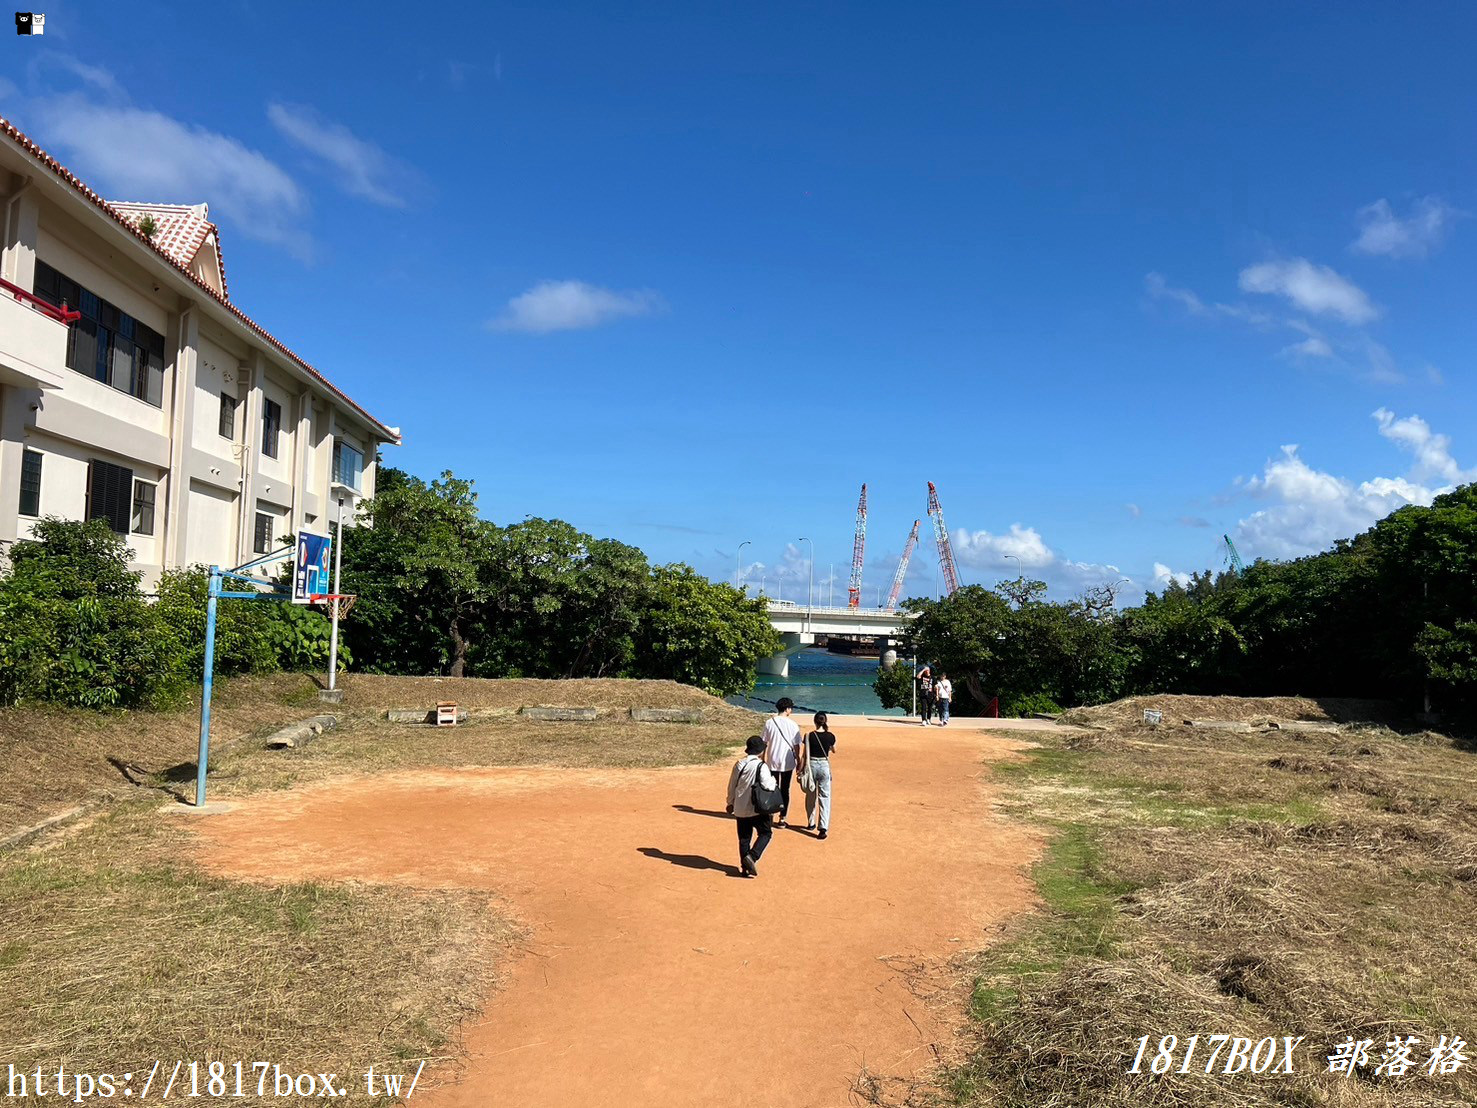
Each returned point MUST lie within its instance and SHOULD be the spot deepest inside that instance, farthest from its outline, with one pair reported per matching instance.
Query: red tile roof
(181, 230)
(9, 130)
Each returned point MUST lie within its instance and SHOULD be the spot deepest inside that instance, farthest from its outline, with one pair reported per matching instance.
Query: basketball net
(335, 603)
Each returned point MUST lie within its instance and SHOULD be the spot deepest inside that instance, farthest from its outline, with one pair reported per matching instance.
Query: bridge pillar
(779, 664)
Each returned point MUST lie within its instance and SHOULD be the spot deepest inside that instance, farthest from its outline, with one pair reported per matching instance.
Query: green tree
(420, 574)
(73, 620)
(701, 633)
(243, 632)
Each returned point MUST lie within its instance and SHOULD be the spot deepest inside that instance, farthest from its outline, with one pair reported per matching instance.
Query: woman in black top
(820, 745)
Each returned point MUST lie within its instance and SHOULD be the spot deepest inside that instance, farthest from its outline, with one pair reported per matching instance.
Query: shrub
(244, 638)
(75, 628)
(1028, 704)
(301, 639)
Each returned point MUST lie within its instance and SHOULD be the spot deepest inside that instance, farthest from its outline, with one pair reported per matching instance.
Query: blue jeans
(821, 798)
(943, 711)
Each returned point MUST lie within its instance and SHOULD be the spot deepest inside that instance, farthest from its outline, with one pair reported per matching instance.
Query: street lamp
(1020, 573)
(738, 570)
(810, 590)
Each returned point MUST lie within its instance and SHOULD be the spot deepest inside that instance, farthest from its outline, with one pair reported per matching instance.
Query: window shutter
(110, 495)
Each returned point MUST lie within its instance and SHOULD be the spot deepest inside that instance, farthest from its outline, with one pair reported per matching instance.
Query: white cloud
(982, 550)
(571, 306)
(1314, 346)
(1161, 289)
(1312, 288)
(365, 169)
(185, 164)
(1381, 231)
(1311, 508)
(1163, 575)
(1133, 510)
(1432, 451)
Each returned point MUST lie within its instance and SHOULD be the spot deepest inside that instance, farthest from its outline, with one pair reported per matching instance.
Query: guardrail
(61, 314)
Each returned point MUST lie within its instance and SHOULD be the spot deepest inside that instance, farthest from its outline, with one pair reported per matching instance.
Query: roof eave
(113, 224)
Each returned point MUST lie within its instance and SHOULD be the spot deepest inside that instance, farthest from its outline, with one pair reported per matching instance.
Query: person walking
(753, 825)
(782, 749)
(925, 695)
(820, 745)
(943, 692)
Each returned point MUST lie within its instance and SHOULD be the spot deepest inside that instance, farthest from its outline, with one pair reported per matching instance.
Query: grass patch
(116, 949)
(59, 758)
(131, 953)
(1259, 884)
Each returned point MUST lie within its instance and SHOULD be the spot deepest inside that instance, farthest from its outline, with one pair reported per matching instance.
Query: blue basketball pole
(204, 756)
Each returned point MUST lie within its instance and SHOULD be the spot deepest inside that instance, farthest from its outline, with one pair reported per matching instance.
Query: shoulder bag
(806, 777)
(766, 801)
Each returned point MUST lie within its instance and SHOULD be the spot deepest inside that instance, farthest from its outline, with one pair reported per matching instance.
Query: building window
(263, 533)
(110, 494)
(31, 483)
(143, 507)
(271, 427)
(348, 465)
(228, 417)
(107, 344)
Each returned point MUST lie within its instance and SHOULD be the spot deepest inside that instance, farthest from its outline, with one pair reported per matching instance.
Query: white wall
(212, 526)
(64, 490)
(212, 369)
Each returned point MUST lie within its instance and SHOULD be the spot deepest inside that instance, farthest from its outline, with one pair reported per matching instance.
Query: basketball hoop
(332, 600)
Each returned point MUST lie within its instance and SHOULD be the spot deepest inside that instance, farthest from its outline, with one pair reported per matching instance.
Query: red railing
(63, 314)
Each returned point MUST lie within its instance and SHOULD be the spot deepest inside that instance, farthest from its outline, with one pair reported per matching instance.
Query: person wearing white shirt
(753, 825)
(943, 692)
(782, 749)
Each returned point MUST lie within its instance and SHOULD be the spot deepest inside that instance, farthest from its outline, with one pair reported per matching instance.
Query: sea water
(820, 681)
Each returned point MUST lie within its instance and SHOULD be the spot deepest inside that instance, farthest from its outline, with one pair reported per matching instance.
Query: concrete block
(667, 715)
(559, 715)
(301, 733)
(331, 696)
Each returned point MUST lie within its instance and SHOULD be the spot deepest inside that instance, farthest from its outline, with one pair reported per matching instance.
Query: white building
(152, 400)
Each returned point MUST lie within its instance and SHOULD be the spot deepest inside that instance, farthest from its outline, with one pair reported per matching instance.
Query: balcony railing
(62, 314)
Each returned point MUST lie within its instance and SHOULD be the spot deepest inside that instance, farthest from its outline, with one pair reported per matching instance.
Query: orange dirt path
(654, 974)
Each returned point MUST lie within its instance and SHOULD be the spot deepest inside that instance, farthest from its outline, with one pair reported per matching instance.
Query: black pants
(784, 775)
(758, 828)
(928, 707)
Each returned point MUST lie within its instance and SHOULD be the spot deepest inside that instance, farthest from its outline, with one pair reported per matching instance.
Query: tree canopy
(1390, 613)
(442, 590)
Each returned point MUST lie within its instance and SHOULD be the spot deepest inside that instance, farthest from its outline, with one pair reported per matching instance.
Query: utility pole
(338, 561)
(738, 571)
(810, 591)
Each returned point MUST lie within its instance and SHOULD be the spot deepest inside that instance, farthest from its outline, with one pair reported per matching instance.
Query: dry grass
(118, 951)
(55, 759)
(1262, 884)
(1246, 709)
(115, 949)
(374, 746)
(367, 691)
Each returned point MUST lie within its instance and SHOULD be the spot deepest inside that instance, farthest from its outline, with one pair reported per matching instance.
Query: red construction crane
(941, 536)
(902, 568)
(859, 545)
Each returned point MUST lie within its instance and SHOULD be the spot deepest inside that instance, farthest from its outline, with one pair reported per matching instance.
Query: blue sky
(1117, 279)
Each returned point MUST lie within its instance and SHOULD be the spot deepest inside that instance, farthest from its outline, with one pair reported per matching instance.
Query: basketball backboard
(311, 567)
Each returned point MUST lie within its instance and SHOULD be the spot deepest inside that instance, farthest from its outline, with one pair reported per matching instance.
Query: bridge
(799, 624)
